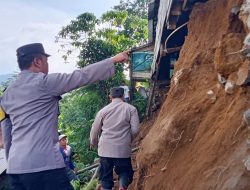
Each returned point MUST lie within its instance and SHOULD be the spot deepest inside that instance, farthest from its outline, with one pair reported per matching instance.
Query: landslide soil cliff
(198, 141)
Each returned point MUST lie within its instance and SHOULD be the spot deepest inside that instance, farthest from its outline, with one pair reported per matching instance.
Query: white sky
(30, 21)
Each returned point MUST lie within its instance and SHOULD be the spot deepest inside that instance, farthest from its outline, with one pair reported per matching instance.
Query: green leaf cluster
(121, 28)
(76, 184)
(91, 185)
(140, 104)
(77, 114)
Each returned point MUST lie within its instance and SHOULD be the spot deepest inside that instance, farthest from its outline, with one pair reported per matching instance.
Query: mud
(198, 142)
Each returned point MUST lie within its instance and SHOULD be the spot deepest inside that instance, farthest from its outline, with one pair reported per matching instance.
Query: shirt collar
(117, 100)
(26, 72)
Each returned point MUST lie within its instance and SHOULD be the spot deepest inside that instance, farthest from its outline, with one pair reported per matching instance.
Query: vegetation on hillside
(119, 29)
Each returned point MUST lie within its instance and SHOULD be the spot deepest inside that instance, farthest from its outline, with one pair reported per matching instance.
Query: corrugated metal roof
(3, 162)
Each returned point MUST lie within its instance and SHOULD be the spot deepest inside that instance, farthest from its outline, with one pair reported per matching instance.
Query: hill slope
(198, 140)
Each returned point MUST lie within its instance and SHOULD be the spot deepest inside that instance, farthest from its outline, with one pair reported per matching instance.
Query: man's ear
(37, 62)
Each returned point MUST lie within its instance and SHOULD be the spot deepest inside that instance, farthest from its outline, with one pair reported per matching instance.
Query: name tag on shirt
(2, 114)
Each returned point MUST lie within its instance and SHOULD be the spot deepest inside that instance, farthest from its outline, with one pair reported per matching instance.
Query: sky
(31, 21)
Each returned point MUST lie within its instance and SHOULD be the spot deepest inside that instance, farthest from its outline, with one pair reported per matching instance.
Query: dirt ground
(198, 141)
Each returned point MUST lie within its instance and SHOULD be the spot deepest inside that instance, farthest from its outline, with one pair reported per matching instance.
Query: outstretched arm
(58, 84)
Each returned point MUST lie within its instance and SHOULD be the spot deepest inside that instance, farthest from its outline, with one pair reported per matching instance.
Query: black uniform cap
(29, 49)
(117, 92)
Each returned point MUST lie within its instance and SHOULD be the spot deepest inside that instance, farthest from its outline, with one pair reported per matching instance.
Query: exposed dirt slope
(198, 141)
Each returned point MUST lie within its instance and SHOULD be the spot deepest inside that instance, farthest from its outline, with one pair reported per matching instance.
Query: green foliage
(94, 50)
(85, 177)
(134, 7)
(136, 28)
(116, 18)
(140, 103)
(76, 184)
(84, 24)
(77, 114)
(102, 88)
(91, 185)
(119, 29)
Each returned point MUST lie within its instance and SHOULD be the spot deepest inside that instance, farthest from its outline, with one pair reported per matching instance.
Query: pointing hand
(120, 57)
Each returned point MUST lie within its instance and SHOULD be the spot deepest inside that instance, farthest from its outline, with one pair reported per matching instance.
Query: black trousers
(123, 168)
(46, 180)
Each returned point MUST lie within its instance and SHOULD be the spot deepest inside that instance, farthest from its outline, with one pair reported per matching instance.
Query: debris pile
(200, 137)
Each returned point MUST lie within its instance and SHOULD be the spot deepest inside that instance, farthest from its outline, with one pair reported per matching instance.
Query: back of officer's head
(26, 61)
(27, 53)
(117, 92)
